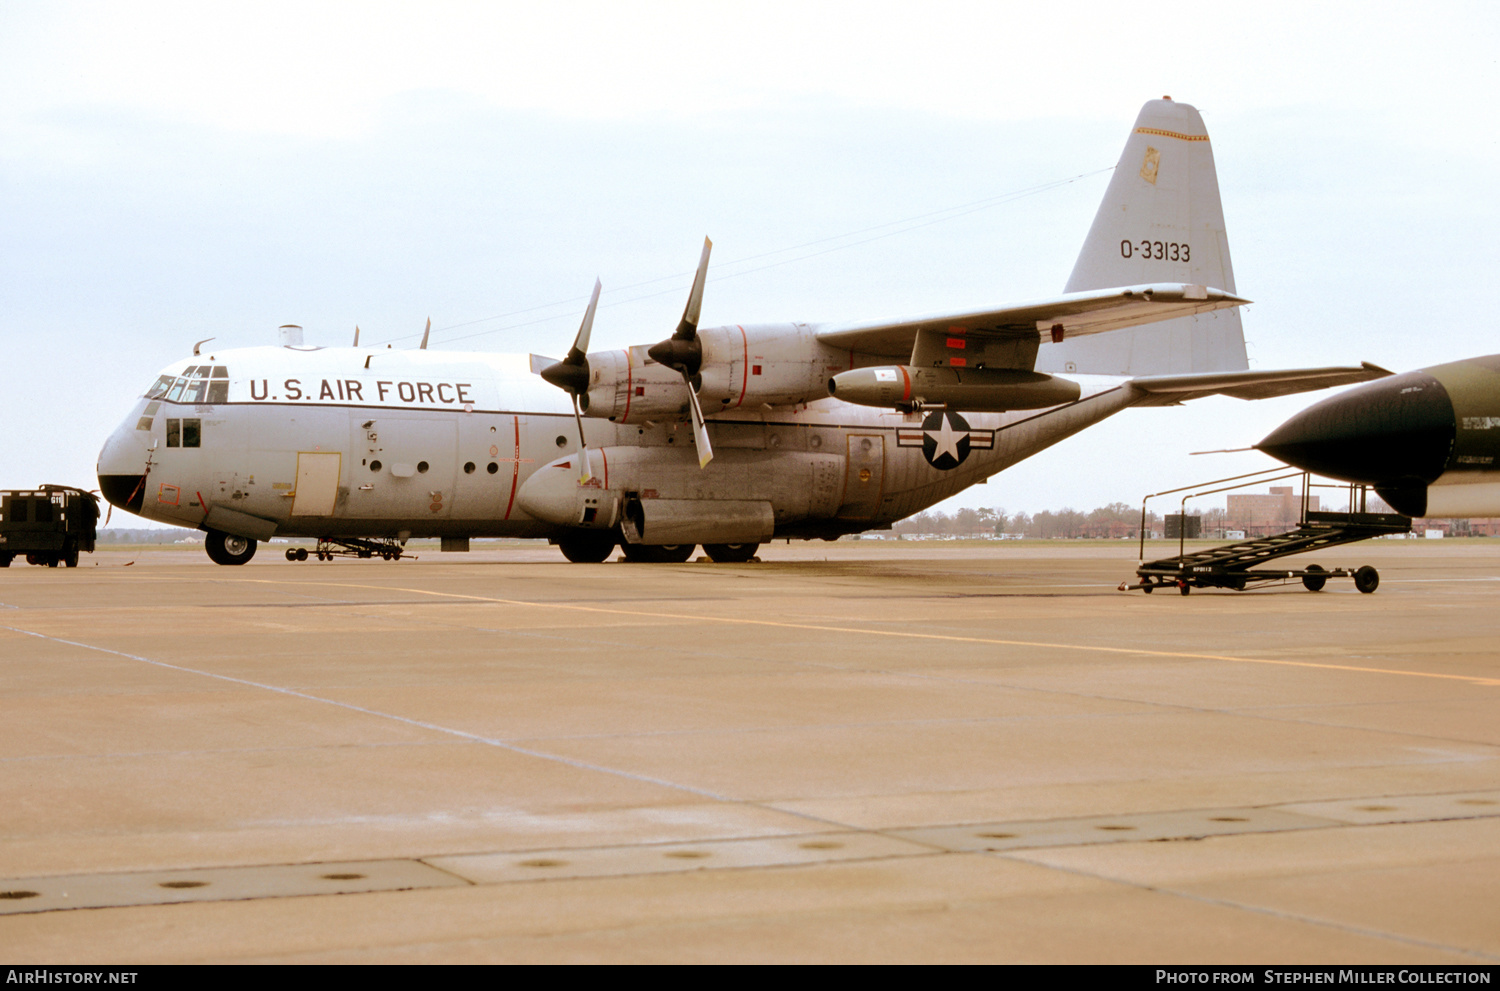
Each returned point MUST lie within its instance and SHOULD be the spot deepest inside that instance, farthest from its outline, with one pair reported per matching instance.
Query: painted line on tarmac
(462, 734)
(944, 637)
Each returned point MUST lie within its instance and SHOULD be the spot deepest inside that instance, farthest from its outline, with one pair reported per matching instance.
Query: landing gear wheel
(586, 547)
(1314, 583)
(731, 553)
(224, 548)
(1367, 579)
(658, 553)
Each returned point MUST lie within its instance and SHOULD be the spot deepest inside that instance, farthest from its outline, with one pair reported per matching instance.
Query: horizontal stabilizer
(1069, 315)
(1168, 390)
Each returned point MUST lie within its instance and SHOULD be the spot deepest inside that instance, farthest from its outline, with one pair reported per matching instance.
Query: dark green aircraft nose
(1397, 431)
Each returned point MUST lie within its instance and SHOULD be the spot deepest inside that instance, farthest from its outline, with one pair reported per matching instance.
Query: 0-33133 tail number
(1172, 251)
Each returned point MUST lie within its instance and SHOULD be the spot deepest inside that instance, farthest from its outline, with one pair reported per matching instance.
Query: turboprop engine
(737, 367)
(972, 389)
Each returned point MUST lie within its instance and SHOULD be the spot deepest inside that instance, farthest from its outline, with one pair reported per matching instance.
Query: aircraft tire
(223, 548)
(731, 553)
(1367, 579)
(658, 553)
(1314, 583)
(588, 547)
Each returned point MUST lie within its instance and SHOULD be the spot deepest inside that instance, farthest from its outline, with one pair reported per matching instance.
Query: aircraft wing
(1090, 312)
(1168, 390)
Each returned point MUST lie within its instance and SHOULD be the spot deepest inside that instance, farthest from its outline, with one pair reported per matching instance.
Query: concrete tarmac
(847, 752)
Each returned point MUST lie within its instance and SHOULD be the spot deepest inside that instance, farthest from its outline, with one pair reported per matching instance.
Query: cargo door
(864, 477)
(317, 490)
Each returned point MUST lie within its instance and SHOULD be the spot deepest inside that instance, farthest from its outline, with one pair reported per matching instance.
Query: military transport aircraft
(725, 436)
(1428, 440)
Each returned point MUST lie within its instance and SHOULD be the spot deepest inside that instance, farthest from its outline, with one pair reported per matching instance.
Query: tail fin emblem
(1150, 165)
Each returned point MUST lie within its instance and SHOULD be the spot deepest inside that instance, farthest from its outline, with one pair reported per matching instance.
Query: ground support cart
(1235, 566)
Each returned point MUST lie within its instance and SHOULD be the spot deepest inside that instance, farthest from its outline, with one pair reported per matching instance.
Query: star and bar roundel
(945, 439)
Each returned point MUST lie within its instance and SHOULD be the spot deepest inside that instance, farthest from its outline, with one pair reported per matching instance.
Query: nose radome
(1396, 430)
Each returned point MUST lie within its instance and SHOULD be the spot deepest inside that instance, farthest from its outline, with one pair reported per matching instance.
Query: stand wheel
(291, 553)
(1314, 583)
(1184, 587)
(302, 553)
(1148, 587)
(1367, 579)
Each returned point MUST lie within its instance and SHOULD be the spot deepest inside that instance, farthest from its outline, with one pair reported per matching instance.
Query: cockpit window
(197, 384)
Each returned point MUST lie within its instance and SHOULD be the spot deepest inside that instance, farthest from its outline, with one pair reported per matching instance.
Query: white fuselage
(361, 442)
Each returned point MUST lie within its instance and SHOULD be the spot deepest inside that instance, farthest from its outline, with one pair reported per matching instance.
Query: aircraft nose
(122, 467)
(1397, 430)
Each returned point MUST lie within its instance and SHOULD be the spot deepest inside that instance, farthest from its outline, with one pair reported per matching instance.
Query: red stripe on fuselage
(745, 372)
(515, 474)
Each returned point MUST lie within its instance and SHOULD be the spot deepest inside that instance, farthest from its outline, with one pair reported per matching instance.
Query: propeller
(683, 351)
(571, 375)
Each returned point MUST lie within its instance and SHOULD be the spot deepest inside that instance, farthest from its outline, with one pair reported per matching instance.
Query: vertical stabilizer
(1160, 221)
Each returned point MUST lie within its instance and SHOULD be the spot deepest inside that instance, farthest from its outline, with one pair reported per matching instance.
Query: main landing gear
(226, 548)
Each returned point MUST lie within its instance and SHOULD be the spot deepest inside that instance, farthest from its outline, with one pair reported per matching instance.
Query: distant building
(1260, 515)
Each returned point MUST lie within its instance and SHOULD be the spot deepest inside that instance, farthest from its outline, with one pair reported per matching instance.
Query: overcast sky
(170, 172)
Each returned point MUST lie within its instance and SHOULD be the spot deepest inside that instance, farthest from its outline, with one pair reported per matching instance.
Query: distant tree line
(1116, 520)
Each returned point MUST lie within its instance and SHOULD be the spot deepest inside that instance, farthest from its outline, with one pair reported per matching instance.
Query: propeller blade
(425, 334)
(688, 328)
(356, 335)
(683, 351)
(540, 361)
(700, 430)
(572, 373)
(583, 447)
(581, 342)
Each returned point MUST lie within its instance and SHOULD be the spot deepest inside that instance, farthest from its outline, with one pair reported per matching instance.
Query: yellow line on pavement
(944, 637)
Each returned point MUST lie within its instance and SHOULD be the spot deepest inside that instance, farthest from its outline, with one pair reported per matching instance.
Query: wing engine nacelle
(776, 365)
(979, 389)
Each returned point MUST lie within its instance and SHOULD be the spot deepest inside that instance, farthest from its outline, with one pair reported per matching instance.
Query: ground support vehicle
(50, 525)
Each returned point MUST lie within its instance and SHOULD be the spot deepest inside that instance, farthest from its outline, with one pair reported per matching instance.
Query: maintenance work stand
(1241, 565)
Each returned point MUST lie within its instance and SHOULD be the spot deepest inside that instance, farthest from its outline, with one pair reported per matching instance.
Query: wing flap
(1094, 311)
(1168, 390)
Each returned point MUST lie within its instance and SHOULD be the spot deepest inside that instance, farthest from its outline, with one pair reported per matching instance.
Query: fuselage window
(468, 468)
(174, 432)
